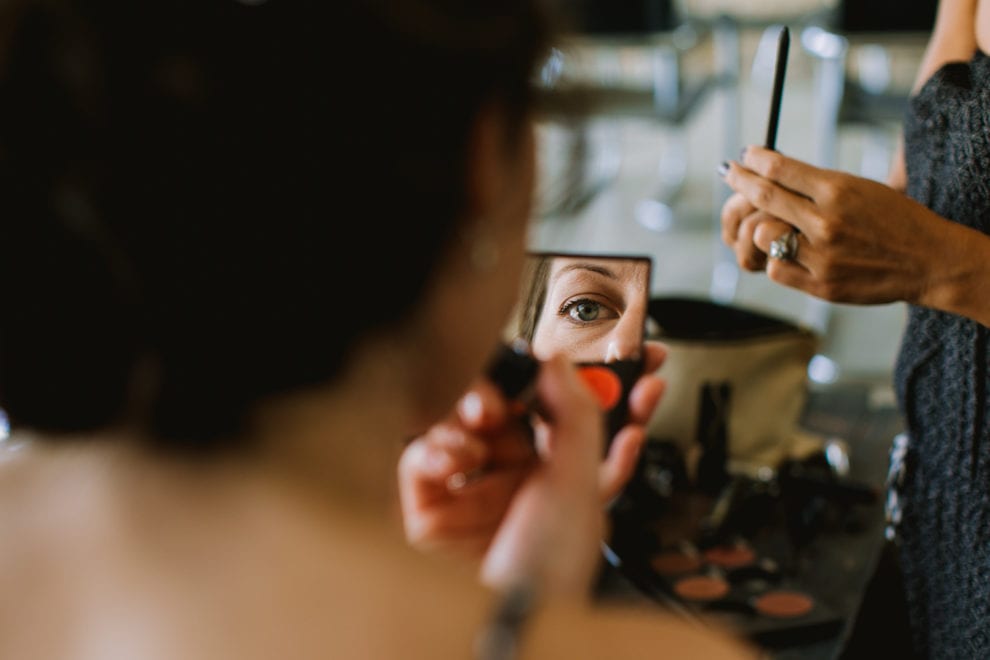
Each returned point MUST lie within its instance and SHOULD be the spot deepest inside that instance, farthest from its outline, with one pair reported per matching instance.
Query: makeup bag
(736, 387)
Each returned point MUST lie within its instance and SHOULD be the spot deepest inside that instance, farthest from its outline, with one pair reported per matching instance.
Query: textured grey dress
(942, 383)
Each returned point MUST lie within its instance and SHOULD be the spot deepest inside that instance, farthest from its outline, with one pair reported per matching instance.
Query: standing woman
(248, 249)
(922, 240)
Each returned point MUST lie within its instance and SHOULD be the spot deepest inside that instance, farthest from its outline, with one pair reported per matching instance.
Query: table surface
(837, 564)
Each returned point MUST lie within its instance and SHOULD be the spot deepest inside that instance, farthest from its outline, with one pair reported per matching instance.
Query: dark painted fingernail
(742, 154)
(723, 169)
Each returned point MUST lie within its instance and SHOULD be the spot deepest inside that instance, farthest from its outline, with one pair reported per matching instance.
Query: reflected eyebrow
(595, 268)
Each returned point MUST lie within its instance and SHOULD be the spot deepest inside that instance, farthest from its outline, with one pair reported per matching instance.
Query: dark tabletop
(837, 560)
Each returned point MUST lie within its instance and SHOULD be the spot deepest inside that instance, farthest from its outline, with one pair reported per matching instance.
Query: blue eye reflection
(583, 311)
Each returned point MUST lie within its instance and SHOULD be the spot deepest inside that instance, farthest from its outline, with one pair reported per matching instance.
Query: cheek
(552, 339)
(592, 348)
(543, 344)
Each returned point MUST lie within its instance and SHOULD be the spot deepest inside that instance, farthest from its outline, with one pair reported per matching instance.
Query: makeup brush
(783, 45)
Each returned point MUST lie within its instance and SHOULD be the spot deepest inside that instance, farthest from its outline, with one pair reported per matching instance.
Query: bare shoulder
(32, 482)
(100, 553)
(628, 633)
(35, 594)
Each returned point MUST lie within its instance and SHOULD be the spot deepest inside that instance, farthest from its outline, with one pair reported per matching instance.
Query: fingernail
(742, 154)
(723, 168)
(471, 407)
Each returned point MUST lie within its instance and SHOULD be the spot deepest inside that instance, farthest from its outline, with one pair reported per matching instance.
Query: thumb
(573, 420)
(619, 465)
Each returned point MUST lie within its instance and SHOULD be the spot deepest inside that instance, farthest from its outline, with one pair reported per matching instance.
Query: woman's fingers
(769, 230)
(793, 272)
(430, 461)
(484, 411)
(770, 197)
(734, 211)
(654, 353)
(620, 463)
(623, 453)
(794, 175)
(472, 515)
(559, 505)
(483, 406)
(568, 406)
(750, 256)
(739, 219)
(644, 397)
(740, 222)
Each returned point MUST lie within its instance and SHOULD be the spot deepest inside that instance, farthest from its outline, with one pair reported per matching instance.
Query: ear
(487, 161)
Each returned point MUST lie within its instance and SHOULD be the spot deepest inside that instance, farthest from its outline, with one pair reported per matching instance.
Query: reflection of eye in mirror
(593, 309)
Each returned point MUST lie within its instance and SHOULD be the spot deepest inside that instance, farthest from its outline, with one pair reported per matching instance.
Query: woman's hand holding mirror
(482, 482)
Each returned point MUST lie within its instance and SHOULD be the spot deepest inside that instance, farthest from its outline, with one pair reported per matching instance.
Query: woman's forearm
(958, 263)
(959, 274)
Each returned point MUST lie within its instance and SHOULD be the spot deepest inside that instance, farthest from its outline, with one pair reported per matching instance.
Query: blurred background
(647, 97)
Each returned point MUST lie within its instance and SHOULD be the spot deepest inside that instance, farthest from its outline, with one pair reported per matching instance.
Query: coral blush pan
(605, 385)
(701, 588)
(783, 604)
(730, 556)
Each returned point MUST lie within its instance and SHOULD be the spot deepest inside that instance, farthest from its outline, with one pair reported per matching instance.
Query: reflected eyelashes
(583, 311)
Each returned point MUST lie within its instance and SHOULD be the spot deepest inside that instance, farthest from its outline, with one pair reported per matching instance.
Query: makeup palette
(701, 566)
(734, 584)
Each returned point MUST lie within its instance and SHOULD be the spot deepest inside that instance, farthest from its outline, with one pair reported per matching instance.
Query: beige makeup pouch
(732, 373)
